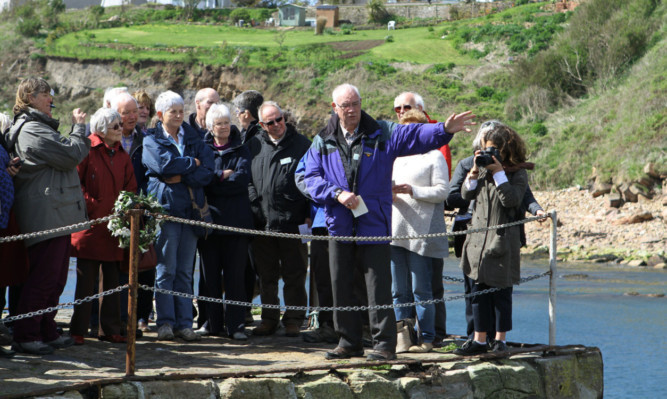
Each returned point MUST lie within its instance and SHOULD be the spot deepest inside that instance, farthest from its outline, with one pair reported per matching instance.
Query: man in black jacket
(203, 101)
(278, 206)
(247, 105)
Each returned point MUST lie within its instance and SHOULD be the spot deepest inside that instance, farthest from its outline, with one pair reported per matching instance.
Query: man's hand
(348, 199)
(173, 180)
(226, 173)
(78, 116)
(541, 213)
(197, 162)
(457, 122)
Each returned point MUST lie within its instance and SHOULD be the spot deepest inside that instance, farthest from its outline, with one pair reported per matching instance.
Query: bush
(377, 12)
(538, 129)
(485, 92)
(29, 27)
(389, 39)
(240, 14)
(320, 24)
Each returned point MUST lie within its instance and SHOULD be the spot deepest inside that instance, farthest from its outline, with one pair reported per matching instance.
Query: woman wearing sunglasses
(104, 173)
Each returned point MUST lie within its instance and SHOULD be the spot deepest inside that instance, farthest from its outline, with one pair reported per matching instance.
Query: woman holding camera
(497, 182)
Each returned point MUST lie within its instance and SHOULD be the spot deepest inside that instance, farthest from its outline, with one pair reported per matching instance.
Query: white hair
(484, 130)
(340, 89)
(167, 100)
(203, 93)
(217, 111)
(110, 93)
(418, 99)
(102, 119)
(120, 97)
(268, 104)
(5, 122)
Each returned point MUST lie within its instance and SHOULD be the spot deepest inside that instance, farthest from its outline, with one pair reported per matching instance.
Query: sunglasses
(406, 107)
(271, 123)
(114, 127)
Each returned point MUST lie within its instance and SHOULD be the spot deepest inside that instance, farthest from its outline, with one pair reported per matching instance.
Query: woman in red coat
(104, 173)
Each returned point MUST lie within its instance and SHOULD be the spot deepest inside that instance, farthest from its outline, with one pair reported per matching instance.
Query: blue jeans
(405, 266)
(175, 246)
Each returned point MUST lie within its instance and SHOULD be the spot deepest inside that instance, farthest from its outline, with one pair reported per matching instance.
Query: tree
(189, 8)
(377, 12)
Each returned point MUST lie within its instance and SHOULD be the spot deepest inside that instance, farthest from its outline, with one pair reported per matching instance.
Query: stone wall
(574, 372)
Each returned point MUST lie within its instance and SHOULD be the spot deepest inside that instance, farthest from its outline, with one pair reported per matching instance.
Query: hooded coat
(47, 190)
(104, 173)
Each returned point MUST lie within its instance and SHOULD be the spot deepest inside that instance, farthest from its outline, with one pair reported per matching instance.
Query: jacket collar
(368, 127)
(234, 139)
(97, 141)
(290, 132)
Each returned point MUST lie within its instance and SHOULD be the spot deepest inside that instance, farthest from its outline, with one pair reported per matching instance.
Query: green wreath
(120, 226)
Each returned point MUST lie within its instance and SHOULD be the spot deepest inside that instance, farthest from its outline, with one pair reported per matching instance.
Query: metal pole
(552, 279)
(135, 218)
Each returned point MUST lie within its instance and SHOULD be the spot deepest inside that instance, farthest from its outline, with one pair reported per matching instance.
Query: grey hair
(115, 101)
(102, 119)
(217, 111)
(340, 89)
(483, 132)
(167, 100)
(418, 99)
(110, 93)
(268, 104)
(5, 122)
(249, 100)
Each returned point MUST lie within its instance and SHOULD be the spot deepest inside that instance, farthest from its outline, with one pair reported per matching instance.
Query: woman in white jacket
(420, 188)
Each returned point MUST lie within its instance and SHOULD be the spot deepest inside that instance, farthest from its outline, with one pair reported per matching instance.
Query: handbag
(147, 260)
(202, 214)
(407, 336)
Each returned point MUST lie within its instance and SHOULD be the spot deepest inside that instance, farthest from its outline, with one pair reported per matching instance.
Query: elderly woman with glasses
(224, 254)
(48, 195)
(179, 166)
(104, 173)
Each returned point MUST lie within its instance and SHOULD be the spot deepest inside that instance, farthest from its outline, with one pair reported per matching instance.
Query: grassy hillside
(578, 108)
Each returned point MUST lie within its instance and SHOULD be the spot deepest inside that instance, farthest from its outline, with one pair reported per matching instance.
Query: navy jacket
(228, 198)
(162, 160)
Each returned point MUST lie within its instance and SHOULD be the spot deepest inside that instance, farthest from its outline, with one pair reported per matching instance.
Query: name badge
(286, 161)
(355, 157)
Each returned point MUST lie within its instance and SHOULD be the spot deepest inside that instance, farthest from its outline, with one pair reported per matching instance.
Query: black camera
(485, 156)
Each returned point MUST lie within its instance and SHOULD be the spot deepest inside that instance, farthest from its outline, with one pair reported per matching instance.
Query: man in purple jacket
(349, 167)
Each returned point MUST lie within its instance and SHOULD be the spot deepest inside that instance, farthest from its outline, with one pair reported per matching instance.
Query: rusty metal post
(552, 278)
(135, 226)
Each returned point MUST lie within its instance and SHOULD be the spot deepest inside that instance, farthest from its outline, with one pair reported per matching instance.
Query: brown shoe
(265, 328)
(381, 355)
(292, 330)
(342, 353)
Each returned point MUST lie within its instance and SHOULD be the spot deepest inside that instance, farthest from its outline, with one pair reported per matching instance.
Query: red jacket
(444, 149)
(103, 176)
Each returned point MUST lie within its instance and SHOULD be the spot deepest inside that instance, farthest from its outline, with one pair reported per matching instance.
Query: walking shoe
(342, 353)
(187, 335)
(366, 337)
(499, 346)
(292, 330)
(239, 336)
(165, 333)
(143, 326)
(265, 328)
(6, 353)
(114, 338)
(380, 355)
(62, 341)
(78, 339)
(471, 348)
(325, 333)
(423, 348)
(203, 331)
(33, 348)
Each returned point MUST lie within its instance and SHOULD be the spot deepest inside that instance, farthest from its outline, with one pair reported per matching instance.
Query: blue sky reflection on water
(592, 310)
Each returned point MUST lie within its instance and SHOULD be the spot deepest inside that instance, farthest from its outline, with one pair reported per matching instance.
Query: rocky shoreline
(591, 230)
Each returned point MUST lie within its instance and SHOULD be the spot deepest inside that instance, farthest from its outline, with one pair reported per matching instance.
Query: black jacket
(251, 131)
(228, 198)
(277, 204)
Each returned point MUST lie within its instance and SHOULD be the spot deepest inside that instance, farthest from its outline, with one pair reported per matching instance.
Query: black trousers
(374, 262)
(224, 259)
(491, 312)
(286, 258)
(438, 289)
(319, 270)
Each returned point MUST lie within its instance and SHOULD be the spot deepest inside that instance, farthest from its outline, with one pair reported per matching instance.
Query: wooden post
(552, 279)
(135, 225)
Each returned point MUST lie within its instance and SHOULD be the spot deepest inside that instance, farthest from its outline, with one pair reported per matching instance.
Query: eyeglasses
(239, 111)
(406, 107)
(349, 105)
(114, 127)
(271, 123)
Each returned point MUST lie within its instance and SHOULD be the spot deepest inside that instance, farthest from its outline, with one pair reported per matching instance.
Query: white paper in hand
(360, 209)
(304, 230)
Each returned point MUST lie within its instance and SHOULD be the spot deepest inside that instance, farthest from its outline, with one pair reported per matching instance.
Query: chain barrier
(73, 227)
(65, 305)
